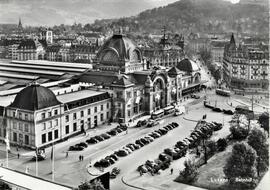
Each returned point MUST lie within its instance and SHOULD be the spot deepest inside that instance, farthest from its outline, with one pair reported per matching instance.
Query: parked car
(112, 132)
(121, 153)
(216, 109)
(175, 124)
(76, 148)
(145, 141)
(229, 112)
(83, 144)
(155, 135)
(92, 140)
(99, 138)
(105, 136)
(142, 168)
(195, 96)
(39, 157)
(113, 156)
(139, 142)
(115, 171)
(104, 163)
(152, 123)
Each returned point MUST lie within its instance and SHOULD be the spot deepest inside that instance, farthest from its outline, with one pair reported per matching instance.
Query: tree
(221, 144)
(95, 185)
(241, 164)
(239, 127)
(258, 141)
(264, 121)
(190, 173)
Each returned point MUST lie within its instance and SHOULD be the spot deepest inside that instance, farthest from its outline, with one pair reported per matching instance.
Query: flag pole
(52, 158)
(36, 161)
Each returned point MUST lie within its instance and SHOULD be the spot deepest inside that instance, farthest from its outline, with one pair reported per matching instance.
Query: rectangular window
(56, 122)
(20, 127)
(56, 134)
(49, 114)
(101, 107)
(50, 136)
(44, 126)
(14, 137)
(14, 125)
(89, 111)
(74, 116)
(108, 115)
(128, 94)
(51, 124)
(128, 113)
(55, 112)
(14, 114)
(26, 127)
(108, 105)
(26, 139)
(74, 126)
(67, 129)
(95, 109)
(26, 116)
(43, 138)
(89, 122)
(20, 115)
(101, 117)
(43, 116)
(82, 113)
(67, 118)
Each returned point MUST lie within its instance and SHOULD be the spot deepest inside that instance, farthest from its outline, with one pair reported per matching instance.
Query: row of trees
(248, 161)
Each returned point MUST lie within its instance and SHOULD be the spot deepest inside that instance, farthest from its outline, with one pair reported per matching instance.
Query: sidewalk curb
(190, 120)
(124, 182)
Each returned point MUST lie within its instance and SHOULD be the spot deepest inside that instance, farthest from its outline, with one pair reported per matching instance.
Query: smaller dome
(34, 97)
(187, 65)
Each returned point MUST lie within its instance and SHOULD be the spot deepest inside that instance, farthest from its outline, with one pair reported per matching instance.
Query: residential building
(246, 67)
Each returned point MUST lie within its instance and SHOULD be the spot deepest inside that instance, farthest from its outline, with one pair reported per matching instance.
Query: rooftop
(77, 95)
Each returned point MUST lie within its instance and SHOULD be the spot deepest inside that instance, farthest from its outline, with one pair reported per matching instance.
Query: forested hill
(197, 16)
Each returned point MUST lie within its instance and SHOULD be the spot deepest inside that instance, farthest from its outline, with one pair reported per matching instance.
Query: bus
(223, 92)
(157, 114)
(169, 109)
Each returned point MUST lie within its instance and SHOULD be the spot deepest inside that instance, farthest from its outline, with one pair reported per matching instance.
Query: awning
(138, 99)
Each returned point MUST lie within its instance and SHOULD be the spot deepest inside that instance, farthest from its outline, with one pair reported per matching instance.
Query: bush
(212, 146)
(239, 132)
(221, 144)
(190, 173)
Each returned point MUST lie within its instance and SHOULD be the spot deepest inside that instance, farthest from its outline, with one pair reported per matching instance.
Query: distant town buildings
(246, 67)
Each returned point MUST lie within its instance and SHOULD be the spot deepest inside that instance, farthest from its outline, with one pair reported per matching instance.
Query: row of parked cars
(216, 109)
(147, 123)
(129, 148)
(98, 138)
(179, 149)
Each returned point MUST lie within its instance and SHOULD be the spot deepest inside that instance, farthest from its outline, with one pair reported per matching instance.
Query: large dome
(34, 97)
(119, 48)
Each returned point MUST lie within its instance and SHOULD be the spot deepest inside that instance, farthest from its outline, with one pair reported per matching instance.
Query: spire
(20, 23)
(232, 41)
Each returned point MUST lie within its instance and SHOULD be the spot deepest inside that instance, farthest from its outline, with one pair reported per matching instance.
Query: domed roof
(117, 48)
(187, 65)
(34, 97)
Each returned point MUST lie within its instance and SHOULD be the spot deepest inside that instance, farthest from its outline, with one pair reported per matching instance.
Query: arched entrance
(158, 93)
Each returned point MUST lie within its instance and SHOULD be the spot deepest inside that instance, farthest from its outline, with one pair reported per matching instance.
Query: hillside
(197, 16)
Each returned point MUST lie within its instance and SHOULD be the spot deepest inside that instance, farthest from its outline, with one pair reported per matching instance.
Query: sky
(55, 12)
